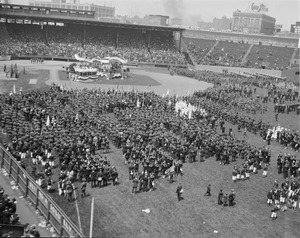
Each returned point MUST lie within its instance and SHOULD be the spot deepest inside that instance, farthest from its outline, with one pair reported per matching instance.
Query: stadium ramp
(246, 55)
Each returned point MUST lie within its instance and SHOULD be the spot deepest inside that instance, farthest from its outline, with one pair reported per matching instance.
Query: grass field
(118, 212)
(23, 81)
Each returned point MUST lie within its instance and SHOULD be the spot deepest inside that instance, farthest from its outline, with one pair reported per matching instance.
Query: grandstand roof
(8, 11)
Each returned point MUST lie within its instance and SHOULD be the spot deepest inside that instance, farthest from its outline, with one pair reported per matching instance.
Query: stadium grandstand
(240, 50)
(34, 31)
(50, 32)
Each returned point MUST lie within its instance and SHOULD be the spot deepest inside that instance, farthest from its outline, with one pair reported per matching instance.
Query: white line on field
(77, 208)
(92, 217)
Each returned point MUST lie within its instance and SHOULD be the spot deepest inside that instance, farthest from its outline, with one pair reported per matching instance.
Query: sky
(286, 12)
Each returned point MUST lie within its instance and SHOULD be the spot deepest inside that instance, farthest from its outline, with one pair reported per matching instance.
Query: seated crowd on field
(65, 134)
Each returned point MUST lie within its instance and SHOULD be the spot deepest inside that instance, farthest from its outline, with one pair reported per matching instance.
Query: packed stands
(163, 49)
(19, 42)
(231, 54)
(66, 41)
(271, 57)
(132, 44)
(297, 57)
(227, 54)
(4, 34)
(198, 48)
(10, 220)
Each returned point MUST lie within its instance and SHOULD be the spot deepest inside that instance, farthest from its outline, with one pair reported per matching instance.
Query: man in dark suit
(179, 192)
(220, 197)
(208, 191)
(6, 216)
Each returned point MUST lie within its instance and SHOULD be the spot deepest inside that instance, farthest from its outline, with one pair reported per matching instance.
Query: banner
(5, 57)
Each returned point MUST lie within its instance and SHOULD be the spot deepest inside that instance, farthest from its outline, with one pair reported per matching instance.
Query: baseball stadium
(113, 129)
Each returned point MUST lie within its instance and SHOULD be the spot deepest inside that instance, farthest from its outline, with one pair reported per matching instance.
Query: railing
(72, 59)
(18, 230)
(53, 214)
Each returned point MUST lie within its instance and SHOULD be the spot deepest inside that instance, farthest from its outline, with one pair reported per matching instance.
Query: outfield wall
(53, 214)
(219, 69)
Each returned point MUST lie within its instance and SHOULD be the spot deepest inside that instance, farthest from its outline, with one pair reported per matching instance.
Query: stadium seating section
(227, 54)
(297, 56)
(271, 56)
(135, 46)
(198, 48)
(131, 44)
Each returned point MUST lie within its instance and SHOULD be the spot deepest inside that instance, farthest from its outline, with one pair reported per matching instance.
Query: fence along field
(42, 202)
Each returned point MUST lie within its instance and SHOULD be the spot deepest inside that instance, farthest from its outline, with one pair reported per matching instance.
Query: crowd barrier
(53, 214)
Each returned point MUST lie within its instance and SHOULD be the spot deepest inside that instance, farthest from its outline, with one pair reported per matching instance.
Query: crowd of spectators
(226, 54)
(9, 216)
(271, 57)
(198, 48)
(163, 50)
(8, 208)
(95, 42)
(231, 54)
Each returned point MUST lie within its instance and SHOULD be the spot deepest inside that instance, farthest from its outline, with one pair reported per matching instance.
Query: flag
(262, 8)
(254, 7)
(138, 104)
(48, 121)
(167, 92)
(21, 90)
(190, 114)
(77, 117)
(14, 88)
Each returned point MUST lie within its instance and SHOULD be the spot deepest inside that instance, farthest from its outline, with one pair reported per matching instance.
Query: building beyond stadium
(253, 22)
(100, 11)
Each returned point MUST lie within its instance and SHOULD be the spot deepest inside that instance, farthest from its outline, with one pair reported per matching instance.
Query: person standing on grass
(83, 188)
(220, 197)
(231, 198)
(270, 197)
(135, 185)
(208, 191)
(265, 171)
(179, 192)
(274, 213)
(245, 131)
(69, 189)
(225, 200)
(93, 176)
(294, 199)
